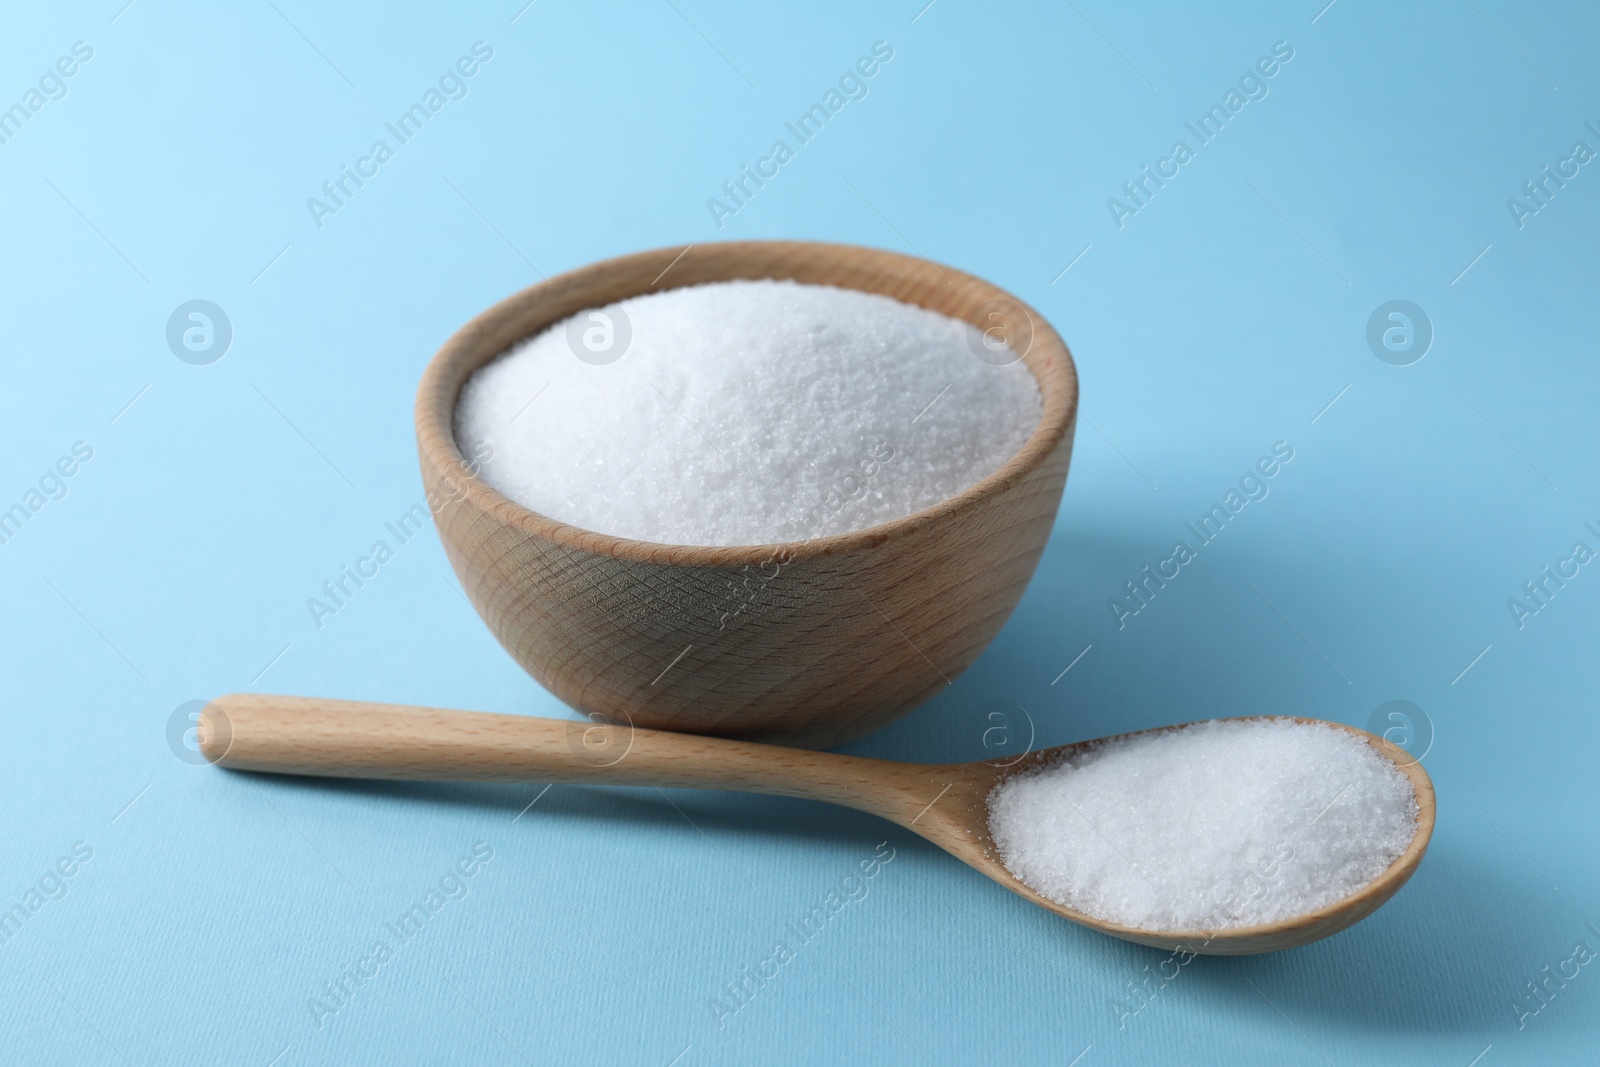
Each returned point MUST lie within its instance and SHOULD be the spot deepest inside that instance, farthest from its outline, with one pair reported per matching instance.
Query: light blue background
(1223, 317)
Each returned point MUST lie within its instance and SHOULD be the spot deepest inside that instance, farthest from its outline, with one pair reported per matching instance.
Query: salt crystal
(1208, 826)
(746, 413)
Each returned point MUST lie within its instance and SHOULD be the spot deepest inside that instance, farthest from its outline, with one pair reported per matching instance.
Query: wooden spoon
(945, 803)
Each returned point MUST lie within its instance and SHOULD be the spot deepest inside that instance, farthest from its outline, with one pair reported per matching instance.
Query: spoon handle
(351, 739)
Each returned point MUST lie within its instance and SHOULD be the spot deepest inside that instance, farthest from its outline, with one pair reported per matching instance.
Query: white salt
(746, 413)
(1206, 827)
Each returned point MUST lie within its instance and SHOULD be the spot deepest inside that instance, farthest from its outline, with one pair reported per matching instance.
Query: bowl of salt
(776, 490)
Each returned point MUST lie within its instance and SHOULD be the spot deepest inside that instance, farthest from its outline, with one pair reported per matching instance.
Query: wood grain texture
(947, 804)
(852, 632)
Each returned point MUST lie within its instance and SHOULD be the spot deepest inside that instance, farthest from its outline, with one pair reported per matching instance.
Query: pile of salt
(1208, 826)
(746, 413)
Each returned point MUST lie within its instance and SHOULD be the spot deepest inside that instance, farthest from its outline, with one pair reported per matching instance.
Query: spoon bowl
(961, 827)
(948, 804)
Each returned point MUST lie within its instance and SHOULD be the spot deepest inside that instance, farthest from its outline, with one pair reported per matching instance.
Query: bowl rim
(436, 403)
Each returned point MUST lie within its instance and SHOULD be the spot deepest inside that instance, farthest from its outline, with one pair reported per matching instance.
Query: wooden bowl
(832, 637)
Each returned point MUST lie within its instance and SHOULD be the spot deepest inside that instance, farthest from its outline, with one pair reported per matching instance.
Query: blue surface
(1226, 314)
